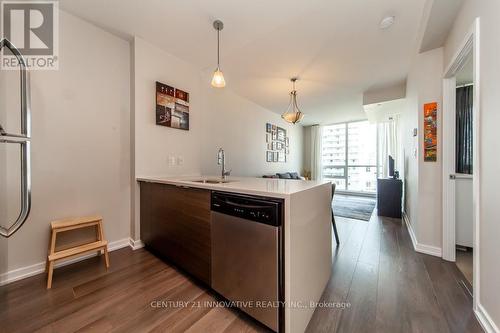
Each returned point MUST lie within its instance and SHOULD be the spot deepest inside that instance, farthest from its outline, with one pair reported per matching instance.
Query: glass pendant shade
(293, 114)
(218, 79)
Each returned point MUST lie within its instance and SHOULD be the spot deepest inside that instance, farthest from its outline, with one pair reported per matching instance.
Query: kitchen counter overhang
(270, 187)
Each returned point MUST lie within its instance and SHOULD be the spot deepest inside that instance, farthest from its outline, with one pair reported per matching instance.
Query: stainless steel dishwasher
(247, 254)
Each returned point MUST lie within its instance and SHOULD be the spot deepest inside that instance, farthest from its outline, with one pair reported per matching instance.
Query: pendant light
(218, 78)
(293, 114)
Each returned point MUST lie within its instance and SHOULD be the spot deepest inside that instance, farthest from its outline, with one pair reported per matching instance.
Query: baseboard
(410, 230)
(421, 248)
(135, 244)
(485, 320)
(25, 272)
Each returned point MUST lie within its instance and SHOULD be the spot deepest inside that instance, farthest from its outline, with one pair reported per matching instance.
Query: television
(391, 166)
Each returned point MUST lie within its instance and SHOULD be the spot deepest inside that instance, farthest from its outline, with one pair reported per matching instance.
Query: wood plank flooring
(389, 287)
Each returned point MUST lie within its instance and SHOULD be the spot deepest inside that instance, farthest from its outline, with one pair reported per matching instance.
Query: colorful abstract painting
(172, 107)
(430, 132)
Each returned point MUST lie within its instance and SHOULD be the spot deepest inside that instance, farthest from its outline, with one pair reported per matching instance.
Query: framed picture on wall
(430, 132)
(281, 134)
(172, 107)
(269, 156)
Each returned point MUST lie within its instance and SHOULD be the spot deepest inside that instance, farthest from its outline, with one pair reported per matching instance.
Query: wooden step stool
(71, 224)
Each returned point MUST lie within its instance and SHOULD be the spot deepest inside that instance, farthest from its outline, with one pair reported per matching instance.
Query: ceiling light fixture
(218, 78)
(387, 22)
(293, 114)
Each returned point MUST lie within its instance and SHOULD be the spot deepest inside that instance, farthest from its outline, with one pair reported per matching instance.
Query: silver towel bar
(23, 139)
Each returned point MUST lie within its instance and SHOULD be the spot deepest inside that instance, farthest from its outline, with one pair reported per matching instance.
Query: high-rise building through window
(349, 156)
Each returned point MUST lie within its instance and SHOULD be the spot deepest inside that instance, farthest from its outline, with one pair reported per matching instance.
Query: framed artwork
(269, 156)
(430, 132)
(277, 143)
(172, 107)
(281, 134)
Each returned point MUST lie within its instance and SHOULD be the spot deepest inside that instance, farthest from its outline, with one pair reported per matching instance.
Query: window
(349, 156)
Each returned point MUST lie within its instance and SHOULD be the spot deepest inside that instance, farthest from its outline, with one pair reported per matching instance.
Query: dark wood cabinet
(389, 193)
(175, 223)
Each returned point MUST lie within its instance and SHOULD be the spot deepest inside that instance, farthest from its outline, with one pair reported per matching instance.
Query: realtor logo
(32, 27)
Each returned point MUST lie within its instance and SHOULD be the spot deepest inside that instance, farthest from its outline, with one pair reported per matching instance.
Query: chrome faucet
(221, 160)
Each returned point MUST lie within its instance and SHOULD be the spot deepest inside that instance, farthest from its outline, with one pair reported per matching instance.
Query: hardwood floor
(389, 287)
(465, 264)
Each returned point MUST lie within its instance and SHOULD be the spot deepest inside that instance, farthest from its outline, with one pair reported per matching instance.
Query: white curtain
(389, 144)
(316, 150)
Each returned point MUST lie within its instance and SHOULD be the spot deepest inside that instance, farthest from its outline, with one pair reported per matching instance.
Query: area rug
(353, 207)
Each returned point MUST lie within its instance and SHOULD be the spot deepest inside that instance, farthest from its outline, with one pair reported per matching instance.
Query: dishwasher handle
(267, 211)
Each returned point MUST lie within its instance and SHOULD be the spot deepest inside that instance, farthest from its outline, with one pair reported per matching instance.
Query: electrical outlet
(180, 160)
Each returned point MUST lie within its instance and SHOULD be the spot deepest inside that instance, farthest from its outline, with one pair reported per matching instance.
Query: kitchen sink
(211, 181)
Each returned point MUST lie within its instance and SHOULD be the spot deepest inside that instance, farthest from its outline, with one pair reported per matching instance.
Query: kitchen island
(176, 219)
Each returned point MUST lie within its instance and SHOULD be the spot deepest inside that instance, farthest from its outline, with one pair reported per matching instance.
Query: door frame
(469, 46)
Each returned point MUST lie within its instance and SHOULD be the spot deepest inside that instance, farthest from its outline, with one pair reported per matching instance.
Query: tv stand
(389, 193)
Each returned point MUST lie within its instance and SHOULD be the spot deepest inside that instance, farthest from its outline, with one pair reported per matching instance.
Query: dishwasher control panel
(258, 209)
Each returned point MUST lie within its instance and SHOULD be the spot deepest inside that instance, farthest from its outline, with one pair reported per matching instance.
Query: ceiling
(441, 15)
(334, 46)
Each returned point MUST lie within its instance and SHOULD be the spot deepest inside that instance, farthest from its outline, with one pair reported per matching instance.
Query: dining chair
(333, 217)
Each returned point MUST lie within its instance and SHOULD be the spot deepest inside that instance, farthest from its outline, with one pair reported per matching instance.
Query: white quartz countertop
(271, 187)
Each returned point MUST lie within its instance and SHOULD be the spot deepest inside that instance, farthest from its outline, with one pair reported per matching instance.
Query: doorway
(464, 165)
(461, 160)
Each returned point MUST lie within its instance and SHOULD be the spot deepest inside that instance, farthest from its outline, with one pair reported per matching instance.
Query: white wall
(218, 118)
(81, 152)
(423, 179)
(154, 144)
(239, 127)
(409, 121)
(489, 210)
(384, 94)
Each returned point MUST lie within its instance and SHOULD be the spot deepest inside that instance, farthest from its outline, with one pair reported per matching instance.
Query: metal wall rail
(24, 140)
